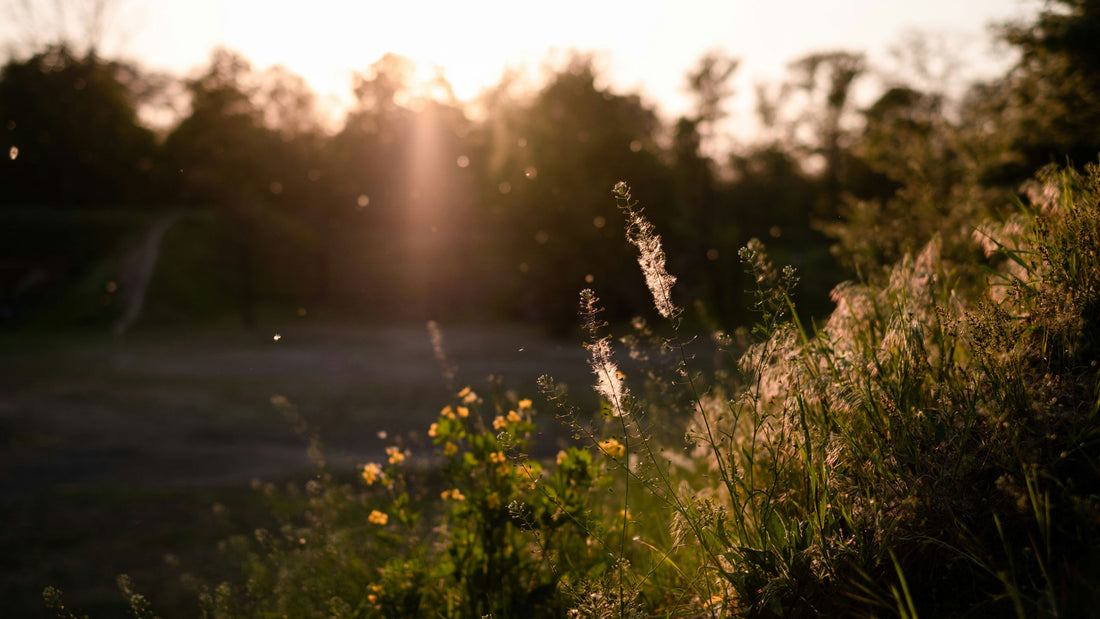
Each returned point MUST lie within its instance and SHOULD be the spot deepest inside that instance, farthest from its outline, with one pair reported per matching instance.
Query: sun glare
(337, 37)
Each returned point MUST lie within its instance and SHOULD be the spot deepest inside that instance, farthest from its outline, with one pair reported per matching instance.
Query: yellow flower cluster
(378, 518)
(525, 404)
(450, 449)
(395, 454)
(373, 596)
(500, 423)
(612, 448)
(514, 417)
(452, 495)
(463, 412)
(433, 431)
(468, 396)
(498, 457)
(447, 412)
(372, 473)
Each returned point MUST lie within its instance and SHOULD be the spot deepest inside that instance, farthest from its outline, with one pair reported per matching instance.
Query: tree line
(421, 206)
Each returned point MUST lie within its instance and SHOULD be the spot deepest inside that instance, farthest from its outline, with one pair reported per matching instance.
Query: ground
(115, 451)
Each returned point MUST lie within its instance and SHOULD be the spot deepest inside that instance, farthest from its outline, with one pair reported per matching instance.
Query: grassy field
(136, 456)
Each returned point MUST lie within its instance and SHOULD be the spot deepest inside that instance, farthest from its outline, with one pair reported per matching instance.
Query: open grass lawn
(121, 454)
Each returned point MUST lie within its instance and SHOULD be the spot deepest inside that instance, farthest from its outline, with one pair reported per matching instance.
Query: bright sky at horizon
(646, 46)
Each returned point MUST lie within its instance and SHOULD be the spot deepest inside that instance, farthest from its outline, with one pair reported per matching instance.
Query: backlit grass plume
(651, 257)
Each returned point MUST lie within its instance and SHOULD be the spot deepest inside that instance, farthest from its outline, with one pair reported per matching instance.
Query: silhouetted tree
(549, 197)
(70, 127)
(1047, 109)
(221, 150)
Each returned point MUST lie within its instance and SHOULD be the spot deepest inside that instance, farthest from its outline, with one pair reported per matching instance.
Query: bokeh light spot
(599, 222)
(505, 187)
(363, 201)
(463, 161)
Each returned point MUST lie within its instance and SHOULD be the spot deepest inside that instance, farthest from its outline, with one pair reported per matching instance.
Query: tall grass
(930, 449)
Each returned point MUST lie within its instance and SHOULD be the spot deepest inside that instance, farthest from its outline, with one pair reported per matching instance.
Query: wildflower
(525, 404)
(433, 431)
(378, 518)
(395, 454)
(371, 473)
(500, 423)
(531, 473)
(562, 457)
(497, 457)
(468, 396)
(372, 599)
(612, 447)
(447, 412)
(450, 449)
(514, 417)
(452, 495)
(463, 412)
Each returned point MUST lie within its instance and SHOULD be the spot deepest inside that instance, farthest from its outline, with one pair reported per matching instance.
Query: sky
(644, 46)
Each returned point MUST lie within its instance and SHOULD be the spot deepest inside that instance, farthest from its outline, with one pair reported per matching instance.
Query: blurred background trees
(419, 206)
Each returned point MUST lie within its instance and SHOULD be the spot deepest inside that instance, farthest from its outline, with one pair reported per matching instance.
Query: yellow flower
(562, 456)
(452, 495)
(531, 474)
(612, 448)
(396, 457)
(468, 396)
(433, 431)
(463, 412)
(377, 517)
(465, 392)
(447, 412)
(497, 457)
(372, 599)
(504, 469)
(514, 417)
(450, 449)
(500, 423)
(525, 404)
(371, 473)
